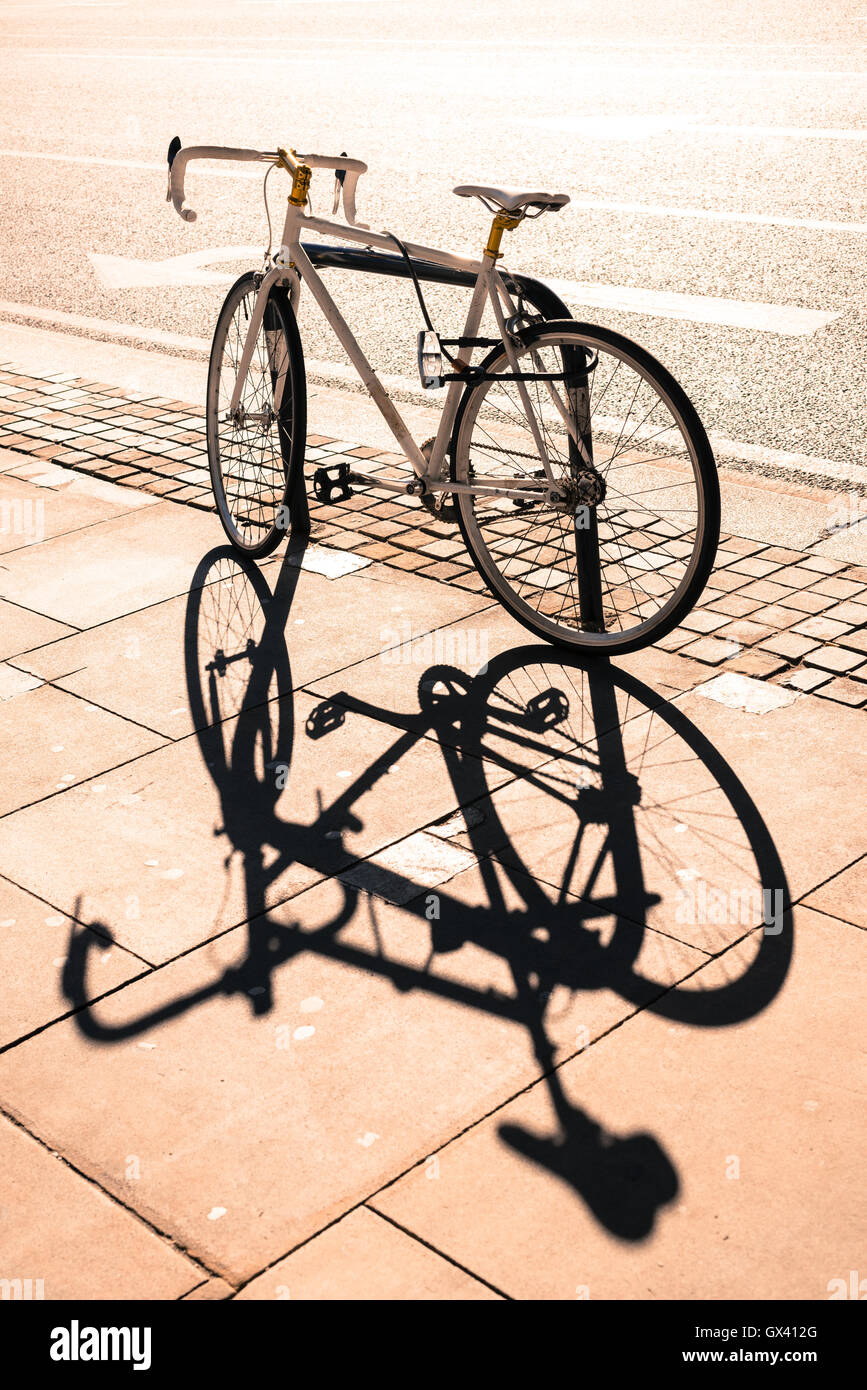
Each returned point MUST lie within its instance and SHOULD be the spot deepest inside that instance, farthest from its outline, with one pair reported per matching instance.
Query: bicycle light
(430, 360)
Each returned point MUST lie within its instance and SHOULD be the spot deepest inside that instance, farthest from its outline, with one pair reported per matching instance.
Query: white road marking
(277, 55)
(594, 204)
(127, 272)
(65, 5)
(149, 165)
(785, 319)
(762, 219)
(644, 127)
(123, 272)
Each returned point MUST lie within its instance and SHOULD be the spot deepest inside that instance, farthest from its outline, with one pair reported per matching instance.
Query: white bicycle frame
(292, 265)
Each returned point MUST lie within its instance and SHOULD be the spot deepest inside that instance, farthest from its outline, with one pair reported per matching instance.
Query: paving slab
(845, 895)
(60, 1229)
(21, 630)
(50, 741)
(742, 692)
(681, 1162)
(364, 1258)
(11, 460)
(420, 860)
(505, 943)
(644, 822)
(236, 1140)
(298, 624)
(34, 949)
(692, 812)
(211, 1291)
(844, 692)
(196, 838)
(270, 1081)
(31, 513)
(803, 766)
(480, 685)
(77, 490)
(141, 853)
(113, 567)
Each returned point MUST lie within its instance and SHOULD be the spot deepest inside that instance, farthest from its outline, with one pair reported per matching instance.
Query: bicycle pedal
(332, 483)
(547, 709)
(323, 719)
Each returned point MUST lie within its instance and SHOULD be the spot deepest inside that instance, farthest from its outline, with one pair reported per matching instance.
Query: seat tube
(463, 359)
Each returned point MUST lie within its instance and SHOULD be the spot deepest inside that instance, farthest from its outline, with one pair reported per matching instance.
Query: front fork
(299, 512)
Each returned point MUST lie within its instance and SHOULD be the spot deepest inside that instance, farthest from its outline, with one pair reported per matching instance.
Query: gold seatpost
(501, 223)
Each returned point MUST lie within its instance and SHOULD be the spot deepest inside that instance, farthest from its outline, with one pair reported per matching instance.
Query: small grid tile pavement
(767, 611)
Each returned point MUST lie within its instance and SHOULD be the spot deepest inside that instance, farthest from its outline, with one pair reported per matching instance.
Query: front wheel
(256, 453)
(615, 551)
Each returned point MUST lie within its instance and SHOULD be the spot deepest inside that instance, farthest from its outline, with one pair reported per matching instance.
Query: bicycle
(595, 528)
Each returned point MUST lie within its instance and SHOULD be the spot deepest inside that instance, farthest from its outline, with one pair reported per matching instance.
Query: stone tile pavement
(770, 612)
(356, 946)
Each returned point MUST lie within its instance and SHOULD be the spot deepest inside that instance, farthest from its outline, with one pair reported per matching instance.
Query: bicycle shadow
(571, 734)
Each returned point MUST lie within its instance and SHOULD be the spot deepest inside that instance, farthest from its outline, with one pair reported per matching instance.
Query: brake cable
(267, 210)
(415, 280)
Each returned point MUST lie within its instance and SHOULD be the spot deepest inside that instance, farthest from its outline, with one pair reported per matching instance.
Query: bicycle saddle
(512, 199)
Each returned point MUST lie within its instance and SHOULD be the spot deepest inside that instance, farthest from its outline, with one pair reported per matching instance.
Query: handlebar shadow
(624, 1180)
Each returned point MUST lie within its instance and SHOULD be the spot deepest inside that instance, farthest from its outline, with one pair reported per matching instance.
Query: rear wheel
(256, 455)
(614, 555)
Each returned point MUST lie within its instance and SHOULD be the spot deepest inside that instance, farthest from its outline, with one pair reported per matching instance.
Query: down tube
(368, 376)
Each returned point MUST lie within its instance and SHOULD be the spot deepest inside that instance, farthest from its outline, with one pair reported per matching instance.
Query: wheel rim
(248, 452)
(651, 522)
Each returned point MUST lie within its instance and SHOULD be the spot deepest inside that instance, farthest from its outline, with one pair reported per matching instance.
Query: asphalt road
(654, 113)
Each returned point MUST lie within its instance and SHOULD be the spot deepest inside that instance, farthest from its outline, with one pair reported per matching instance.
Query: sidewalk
(329, 972)
(791, 615)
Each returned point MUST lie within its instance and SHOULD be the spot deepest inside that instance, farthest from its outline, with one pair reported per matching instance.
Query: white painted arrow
(127, 272)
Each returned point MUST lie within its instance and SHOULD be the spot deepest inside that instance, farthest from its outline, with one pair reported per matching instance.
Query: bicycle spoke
(648, 526)
(249, 448)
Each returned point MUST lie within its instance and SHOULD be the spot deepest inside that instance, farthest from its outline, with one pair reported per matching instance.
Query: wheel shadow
(560, 770)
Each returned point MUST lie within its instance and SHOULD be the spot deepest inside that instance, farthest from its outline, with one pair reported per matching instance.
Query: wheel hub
(589, 488)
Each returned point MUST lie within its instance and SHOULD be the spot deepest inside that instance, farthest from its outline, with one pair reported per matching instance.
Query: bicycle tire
(262, 466)
(569, 334)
